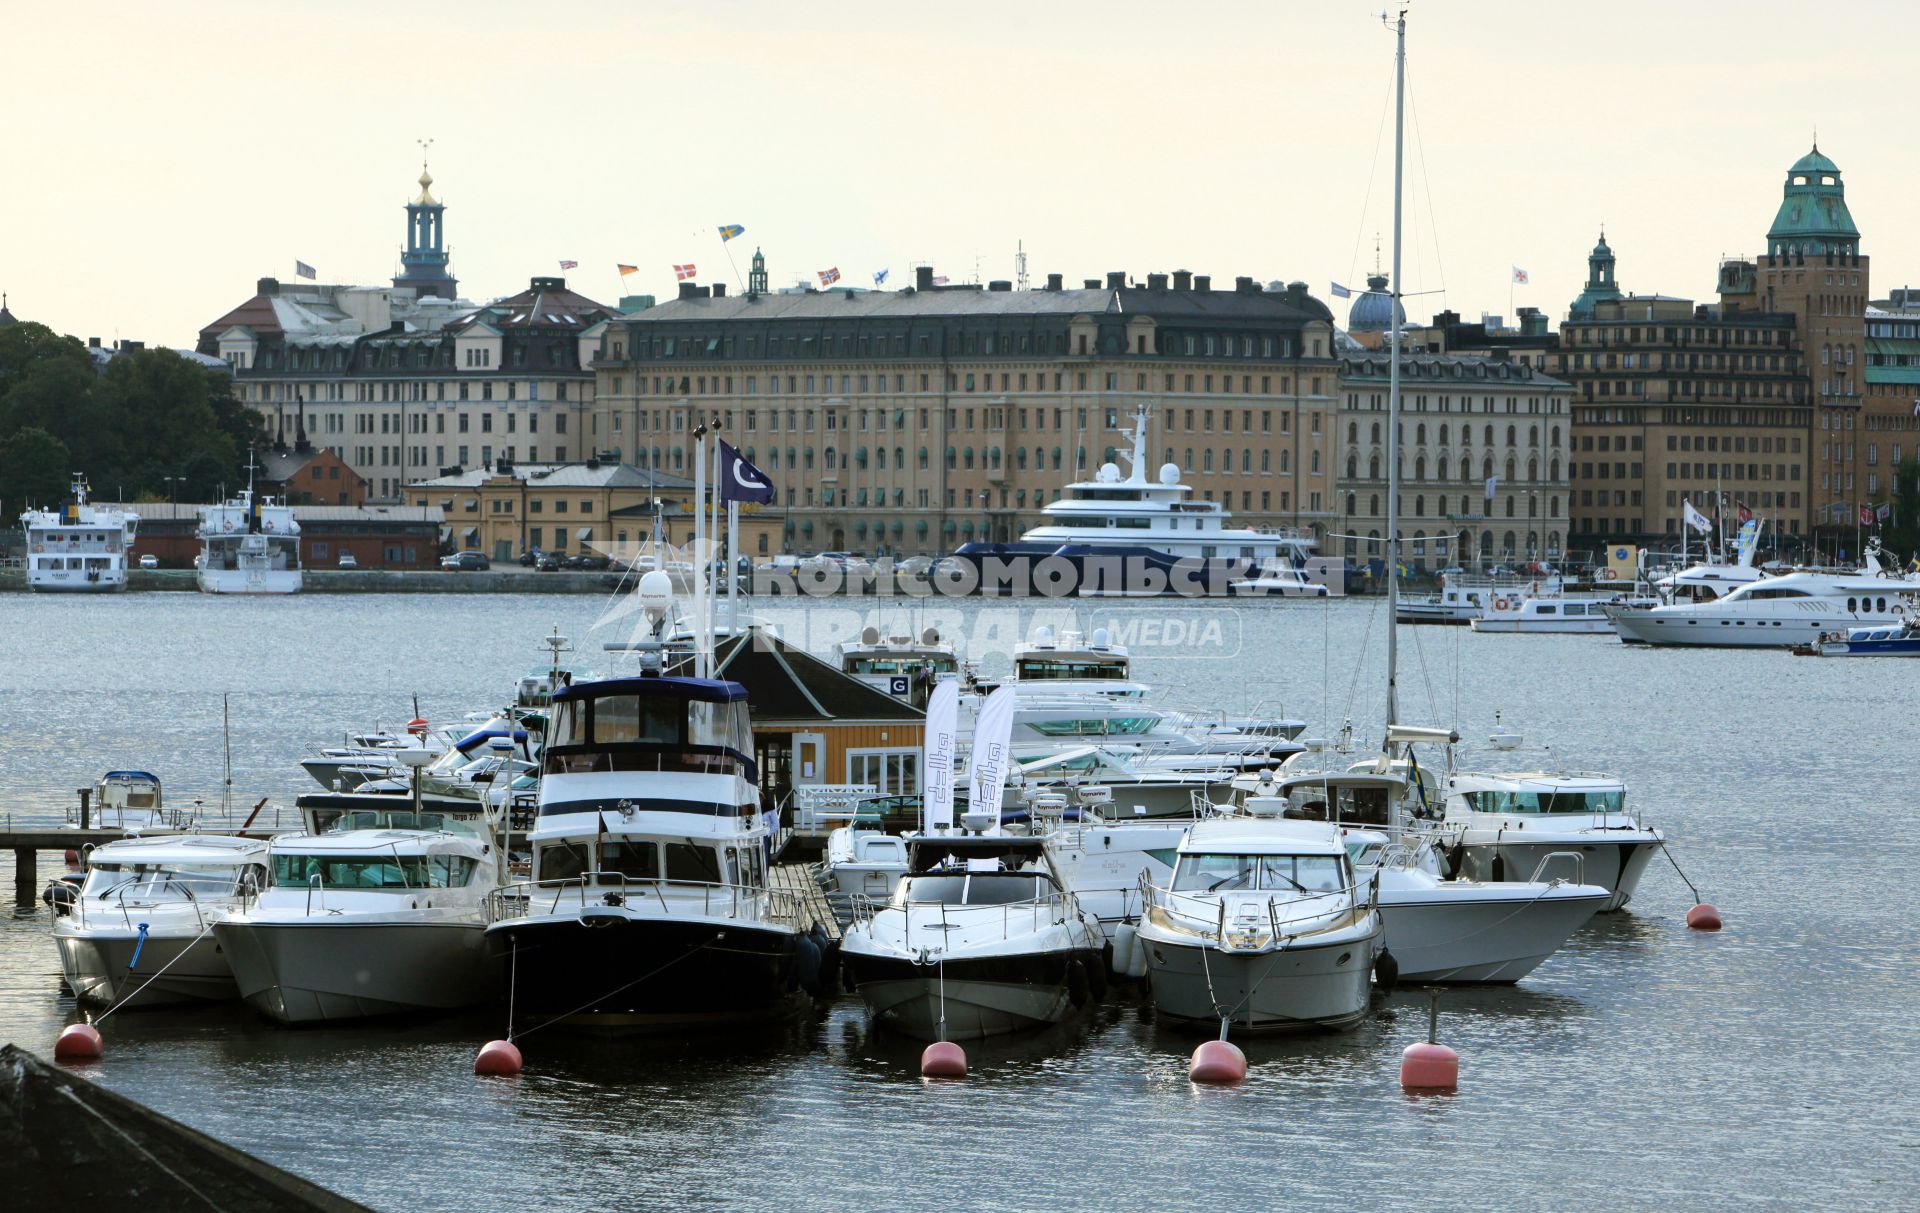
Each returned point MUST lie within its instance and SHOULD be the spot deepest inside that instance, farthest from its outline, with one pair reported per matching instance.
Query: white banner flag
(1695, 519)
(1493, 485)
(936, 764)
(991, 753)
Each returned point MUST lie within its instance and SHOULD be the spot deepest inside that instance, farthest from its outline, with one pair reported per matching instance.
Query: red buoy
(1218, 1061)
(500, 1058)
(1704, 917)
(1427, 1066)
(943, 1059)
(78, 1042)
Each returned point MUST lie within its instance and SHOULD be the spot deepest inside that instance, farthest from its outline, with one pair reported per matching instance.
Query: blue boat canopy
(475, 738)
(131, 775)
(706, 690)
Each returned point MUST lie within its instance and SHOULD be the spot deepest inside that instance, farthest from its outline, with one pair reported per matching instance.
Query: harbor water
(1764, 1067)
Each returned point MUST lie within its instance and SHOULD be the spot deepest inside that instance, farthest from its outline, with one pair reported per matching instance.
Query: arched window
(1533, 435)
(1265, 459)
(1509, 514)
(1246, 460)
(1507, 543)
(1420, 433)
(1376, 431)
(993, 456)
(880, 458)
(1556, 436)
(1353, 466)
(1350, 503)
(966, 459)
(1553, 469)
(1419, 506)
(1020, 458)
(1353, 431)
(1373, 504)
(1533, 469)
(1513, 466)
(1487, 435)
(1373, 468)
(1553, 507)
(1419, 467)
(831, 457)
(1187, 463)
(1206, 458)
(1486, 468)
(1443, 433)
(1511, 433)
(1286, 461)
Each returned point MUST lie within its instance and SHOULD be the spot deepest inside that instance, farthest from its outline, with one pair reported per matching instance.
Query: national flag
(1883, 513)
(741, 481)
(940, 280)
(306, 271)
(1519, 276)
(683, 272)
(729, 230)
(880, 277)
(1695, 519)
(568, 265)
(1866, 515)
(1746, 515)
(1341, 292)
(628, 269)
(1493, 482)
(830, 276)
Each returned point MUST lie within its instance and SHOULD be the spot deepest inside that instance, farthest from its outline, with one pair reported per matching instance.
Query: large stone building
(404, 379)
(911, 421)
(1483, 459)
(1890, 415)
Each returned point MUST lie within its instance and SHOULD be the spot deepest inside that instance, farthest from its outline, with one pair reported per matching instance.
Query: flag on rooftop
(1519, 276)
(830, 276)
(628, 269)
(880, 276)
(683, 272)
(1341, 292)
(567, 265)
(729, 230)
(939, 279)
(304, 270)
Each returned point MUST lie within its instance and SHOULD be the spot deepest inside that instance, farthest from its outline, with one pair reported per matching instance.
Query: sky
(161, 158)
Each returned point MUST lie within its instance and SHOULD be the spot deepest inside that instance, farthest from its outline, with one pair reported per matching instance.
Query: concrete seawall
(377, 581)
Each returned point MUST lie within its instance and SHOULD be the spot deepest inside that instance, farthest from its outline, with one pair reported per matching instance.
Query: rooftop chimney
(1182, 280)
(267, 286)
(719, 290)
(1245, 286)
(1000, 284)
(923, 277)
(1202, 282)
(1116, 279)
(1093, 284)
(1054, 282)
(93, 343)
(548, 284)
(1156, 282)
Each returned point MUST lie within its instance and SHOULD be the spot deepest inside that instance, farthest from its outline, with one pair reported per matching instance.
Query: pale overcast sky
(164, 156)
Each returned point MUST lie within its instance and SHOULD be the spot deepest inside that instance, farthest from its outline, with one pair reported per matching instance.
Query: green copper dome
(1813, 216)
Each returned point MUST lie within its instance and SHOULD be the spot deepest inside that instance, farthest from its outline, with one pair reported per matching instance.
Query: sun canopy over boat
(704, 690)
(926, 853)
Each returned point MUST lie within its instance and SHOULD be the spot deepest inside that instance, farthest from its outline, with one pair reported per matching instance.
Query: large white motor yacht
(366, 922)
(1264, 926)
(249, 545)
(138, 932)
(978, 939)
(1530, 825)
(1777, 612)
(899, 665)
(79, 548)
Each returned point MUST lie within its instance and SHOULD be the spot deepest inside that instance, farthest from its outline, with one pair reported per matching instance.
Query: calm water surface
(1645, 1066)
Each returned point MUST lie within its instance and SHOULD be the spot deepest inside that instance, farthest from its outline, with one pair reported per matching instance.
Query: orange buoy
(1218, 1061)
(1427, 1066)
(418, 726)
(943, 1059)
(499, 1058)
(78, 1042)
(1704, 917)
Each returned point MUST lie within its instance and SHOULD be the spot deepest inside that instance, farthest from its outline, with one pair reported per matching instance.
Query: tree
(33, 467)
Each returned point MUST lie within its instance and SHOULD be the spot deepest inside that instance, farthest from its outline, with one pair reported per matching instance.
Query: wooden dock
(26, 843)
(794, 878)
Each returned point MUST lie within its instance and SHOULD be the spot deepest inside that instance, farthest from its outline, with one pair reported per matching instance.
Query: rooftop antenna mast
(1020, 280)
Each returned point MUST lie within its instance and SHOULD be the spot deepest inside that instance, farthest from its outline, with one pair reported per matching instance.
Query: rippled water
(1764, 1067)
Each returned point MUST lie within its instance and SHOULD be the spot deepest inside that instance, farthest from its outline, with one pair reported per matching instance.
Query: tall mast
(1393, 388)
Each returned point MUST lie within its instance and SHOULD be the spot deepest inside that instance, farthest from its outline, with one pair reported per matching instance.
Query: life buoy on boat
(1533, 587)
(1609, 575)
(1502, 604)
(269, 528)
(227, 525)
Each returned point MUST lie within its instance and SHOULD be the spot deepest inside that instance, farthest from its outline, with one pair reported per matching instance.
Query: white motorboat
(79, 548)
(1281, 578)
(863, 863)
(249, 545)
(1264, 926)
(1525, 825)
(1568, 614)
(649, 907)
(1778, 612)
(1461, 598)
(899, 665)
(138, 932)
(1073, 663)
(132, 801)
(1898, 640)
(979, 939)
(1107, 864)
(366, 923)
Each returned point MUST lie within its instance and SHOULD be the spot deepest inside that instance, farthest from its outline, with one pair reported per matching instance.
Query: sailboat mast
(1393, 388)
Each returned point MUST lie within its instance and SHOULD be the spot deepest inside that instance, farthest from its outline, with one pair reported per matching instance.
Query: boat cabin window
(1770, 592)
(560, 861)
(971, 889)
(620, 718)
(162, 882)
(1547, 609)
(1034, 668)
(1278, 873)
(1561, 801)
(633, 860)
(1113, 726)
(372, 871)
(696, 865)
(1366, 806)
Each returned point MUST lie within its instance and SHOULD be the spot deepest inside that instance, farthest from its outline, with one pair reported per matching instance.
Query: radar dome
(1169, 473)
(1109, 473)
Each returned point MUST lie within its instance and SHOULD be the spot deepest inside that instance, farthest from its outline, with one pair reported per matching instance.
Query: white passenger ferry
(249, 545)
(79, 548)
(1128, 535)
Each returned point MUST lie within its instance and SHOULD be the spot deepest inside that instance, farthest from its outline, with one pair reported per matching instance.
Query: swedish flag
(729, 230)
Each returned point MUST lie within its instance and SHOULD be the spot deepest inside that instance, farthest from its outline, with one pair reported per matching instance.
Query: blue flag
(729, 230)
(880, 277)
(741, 481)
(1341, 292)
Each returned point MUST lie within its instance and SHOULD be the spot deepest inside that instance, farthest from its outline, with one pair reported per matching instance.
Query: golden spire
(426, 178)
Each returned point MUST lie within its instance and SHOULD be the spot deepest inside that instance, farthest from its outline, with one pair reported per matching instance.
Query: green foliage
(149, 415)
(33, 468)
(1902, 532)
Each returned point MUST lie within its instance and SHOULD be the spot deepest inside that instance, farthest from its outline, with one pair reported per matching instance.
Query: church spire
(757, 276)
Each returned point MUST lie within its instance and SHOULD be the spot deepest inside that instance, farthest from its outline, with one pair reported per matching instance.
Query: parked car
(914, 566)
(466, 562)
(592, 562)
(149, 561)
(530, 557)
(548, 563)
(347, 561)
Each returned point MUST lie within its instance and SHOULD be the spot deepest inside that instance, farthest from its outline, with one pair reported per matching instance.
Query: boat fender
(1126, 942)
(1097, 980)
(61, 895)
(1078, 987)
(806, 964)
(1386, 971)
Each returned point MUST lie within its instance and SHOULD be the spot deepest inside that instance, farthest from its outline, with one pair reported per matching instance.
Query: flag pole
(704, 634)
(733, 576)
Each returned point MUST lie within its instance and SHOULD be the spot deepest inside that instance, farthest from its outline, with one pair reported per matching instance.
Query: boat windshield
(161, 882)
(1036, 668)
(972, 889)
(903, 665)
(1297, 873)
(1556, 801)
(1111, 726)
(372, 871)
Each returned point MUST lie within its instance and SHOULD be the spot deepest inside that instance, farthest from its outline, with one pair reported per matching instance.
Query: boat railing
(1206, 915)
(1552, 857)
(1031, 914)
(714, 900)
(136, 886)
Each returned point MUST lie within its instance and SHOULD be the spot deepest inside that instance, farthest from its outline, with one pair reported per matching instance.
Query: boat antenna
(226, 741)
(1393, 388)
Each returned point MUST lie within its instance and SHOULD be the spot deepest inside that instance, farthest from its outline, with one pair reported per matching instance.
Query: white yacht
(366, 922)
(131, 800)
(978, 939)
(1127, 535)
(899, 665)
(1263, 926)
(1579, 615)
(649, 907)
(1777, 612)
(1461, 598)
(249, 545)
(139, 929)
(862, 862)
(79, 548)
(1525, 825)
(1074, 663)
(1107, 863)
